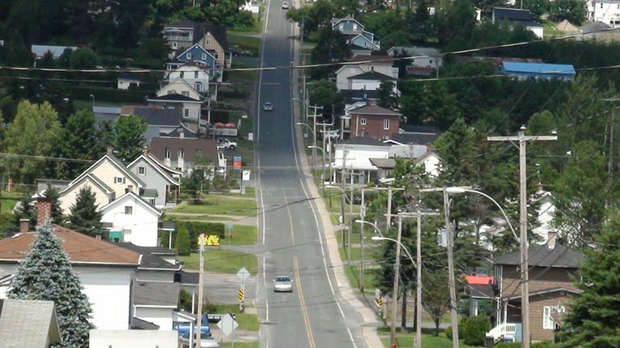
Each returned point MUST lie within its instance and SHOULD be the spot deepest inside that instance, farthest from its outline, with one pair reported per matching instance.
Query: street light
(93, 96)
(379, 238)
(377, 230)
(342, 217)
(456, 190)
(323, 162)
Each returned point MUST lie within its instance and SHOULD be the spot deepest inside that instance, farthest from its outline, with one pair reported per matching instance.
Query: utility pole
(314, 115)
(525, 292)
(350, 219)
(343, 181)
(323, 148)
(395, 285)
(363, 217)
(200, 290)
(451, 278)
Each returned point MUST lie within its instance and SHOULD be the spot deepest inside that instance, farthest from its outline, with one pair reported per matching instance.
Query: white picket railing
(503, 330)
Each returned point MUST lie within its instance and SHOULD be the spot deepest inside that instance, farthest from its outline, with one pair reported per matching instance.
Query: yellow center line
(302, 301)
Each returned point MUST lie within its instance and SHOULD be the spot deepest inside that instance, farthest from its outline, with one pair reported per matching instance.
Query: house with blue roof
(538, 70)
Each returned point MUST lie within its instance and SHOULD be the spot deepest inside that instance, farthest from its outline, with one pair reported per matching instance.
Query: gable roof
(125, 197)
(336, 21)
(159, 116)
(81, 249)
(157, 166)
(218, 31)
(421, 139)
(156, 294)
(174, 98)
(371, 75)
(374, 59)
(359, 94)
(362, 141)
(177, 96)
(383, 163)
(190, 63)
(28, 323)
(374, 110)
(88, 177)
(544, 292)
(512, 14)
(117, 163)
(413, 51)
(151, 257)
(542, 256)
(180, 131)
(140, 324)
(163, 166)
(208, 147)
(365, 38)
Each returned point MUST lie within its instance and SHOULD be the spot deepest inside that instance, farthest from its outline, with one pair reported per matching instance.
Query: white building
(133, 338)
(606, 11)
(132, 220)
(195, 76)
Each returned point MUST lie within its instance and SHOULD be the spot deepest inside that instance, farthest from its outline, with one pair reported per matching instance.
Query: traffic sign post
(229, 228)
(242, 274)
(228, 324)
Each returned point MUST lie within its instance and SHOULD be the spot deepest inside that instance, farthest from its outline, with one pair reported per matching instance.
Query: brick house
(374, 122)
(553, 269)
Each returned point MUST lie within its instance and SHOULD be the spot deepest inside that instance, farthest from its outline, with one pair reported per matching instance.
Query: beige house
(180, 95)
(211, 44)
(108, 178)
(361, 64)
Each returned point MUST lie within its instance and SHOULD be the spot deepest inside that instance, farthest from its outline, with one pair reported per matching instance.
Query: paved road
(314, 315)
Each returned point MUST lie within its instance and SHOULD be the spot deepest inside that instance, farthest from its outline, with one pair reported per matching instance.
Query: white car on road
(283, 284)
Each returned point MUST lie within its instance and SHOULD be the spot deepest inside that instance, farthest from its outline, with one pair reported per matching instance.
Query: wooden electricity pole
(451, 278)
(525, 292)
(200, 289)
(396, 278)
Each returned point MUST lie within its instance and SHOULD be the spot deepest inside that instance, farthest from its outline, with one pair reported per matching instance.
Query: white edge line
(329, 280)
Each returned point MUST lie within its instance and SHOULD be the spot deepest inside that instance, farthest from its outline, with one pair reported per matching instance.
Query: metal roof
(538, 68)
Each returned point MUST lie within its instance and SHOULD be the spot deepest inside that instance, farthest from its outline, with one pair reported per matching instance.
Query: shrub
(182, 244)
(448, 332)
(209, 228)
(474, 330)
(209, 307)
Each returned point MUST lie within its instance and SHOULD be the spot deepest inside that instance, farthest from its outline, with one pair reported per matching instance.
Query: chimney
(109, 151)
(44, 210)
(429, 147)
(24, 225)
(145, 151)
(98, 236)
(551, 239)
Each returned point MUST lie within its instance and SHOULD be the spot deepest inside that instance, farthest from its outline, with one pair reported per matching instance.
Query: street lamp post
(342, 217)
(323, 162)
(314, 147)
(93, 96)
(399, 245)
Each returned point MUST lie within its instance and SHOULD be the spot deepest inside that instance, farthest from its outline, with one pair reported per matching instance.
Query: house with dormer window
(359, 40)
(158, 176)
(199, 57)
(212, 37)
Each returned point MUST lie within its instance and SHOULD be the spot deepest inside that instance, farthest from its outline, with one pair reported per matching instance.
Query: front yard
(221, 261)
(220, 205)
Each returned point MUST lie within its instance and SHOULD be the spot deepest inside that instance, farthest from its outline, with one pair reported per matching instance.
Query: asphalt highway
(293, 241)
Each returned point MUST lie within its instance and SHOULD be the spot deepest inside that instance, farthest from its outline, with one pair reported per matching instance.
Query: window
(119, 180)
(548, 323)
(341, 27)
(198, 86)
(354, 27)
(215, 55)
(208, 42)
(141, 170)
(204, 56)
(601, 5)
(128, 210)
(181, 153)
(185, 93)
(151, 201)
(174, 45)
(386, 124)
(167, 153)
(189, 56)
(363, 121)
(195, 74)
(186, 113)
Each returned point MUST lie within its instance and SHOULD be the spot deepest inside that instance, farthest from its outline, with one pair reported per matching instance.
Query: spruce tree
(84, 215)
(594, 317)
(46, 274)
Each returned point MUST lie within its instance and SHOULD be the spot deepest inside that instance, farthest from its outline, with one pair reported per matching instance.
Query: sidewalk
(370, 318)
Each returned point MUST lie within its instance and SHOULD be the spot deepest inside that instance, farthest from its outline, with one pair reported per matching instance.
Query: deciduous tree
(128, 137)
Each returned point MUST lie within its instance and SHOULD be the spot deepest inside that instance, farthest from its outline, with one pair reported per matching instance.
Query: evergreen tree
(46, 275)
(24, 210)
(84, 215)
(594, 317)
(182, 244)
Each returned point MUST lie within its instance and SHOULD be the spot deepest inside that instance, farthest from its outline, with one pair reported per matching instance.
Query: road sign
(379, 302)
(240, 294)
(229, 226)
(227, 324)
(243, 274)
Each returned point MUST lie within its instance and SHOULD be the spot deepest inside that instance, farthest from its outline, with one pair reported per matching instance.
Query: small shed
(538, 70)
(126, 80)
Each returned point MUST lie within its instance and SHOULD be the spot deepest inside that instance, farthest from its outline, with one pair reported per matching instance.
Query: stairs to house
(506, 331)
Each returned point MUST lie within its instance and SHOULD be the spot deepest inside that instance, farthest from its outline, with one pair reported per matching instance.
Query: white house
(132, 220)
(424, 61)
(124, 81)
(133, 338)
(606, 11)
(360, 64)
(195, 76)
(546, 214)
(105, 270)
(370, 81)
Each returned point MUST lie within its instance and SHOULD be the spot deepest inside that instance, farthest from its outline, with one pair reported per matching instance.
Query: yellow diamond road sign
(379, 301)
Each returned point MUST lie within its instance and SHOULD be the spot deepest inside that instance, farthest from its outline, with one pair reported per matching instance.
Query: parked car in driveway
(283, 284)
(206, 341)
(223, 143)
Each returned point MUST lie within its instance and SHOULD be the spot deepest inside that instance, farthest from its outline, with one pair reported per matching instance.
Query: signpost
(242, 274)
(228, 324)
(229, 228)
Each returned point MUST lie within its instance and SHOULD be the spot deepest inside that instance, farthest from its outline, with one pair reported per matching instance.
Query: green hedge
(109, 95)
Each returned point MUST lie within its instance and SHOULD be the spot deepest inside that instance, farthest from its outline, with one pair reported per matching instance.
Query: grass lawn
(243, 75)
(353, 274)
(221, 205)
(201, 218)
(8, 200)
(244, 42)
(241, 235)
(356, 253)
(429, 340)
(245, 321)
(239, 344)
(222, 261)
(549, 29)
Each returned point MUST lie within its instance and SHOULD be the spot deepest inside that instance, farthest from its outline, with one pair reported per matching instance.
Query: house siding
(155, 276)
(141, 224)
(542, 278)
(153, 180)
(134, 338)
(106, 171)
(369, 85)
(158, 316)
(108, 290)
(68, 197)
(342, 76)
(215, 46)
(374, 127)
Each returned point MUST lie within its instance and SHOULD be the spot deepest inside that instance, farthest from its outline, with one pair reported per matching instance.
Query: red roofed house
(105, 269)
